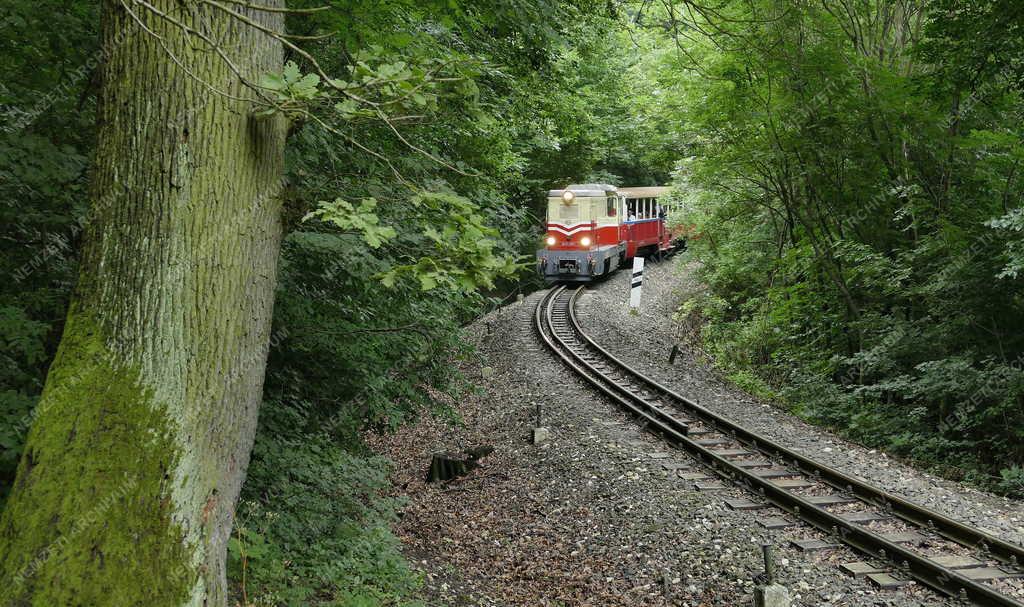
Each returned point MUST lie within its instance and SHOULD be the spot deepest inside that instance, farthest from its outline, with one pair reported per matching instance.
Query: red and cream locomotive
(593, 229)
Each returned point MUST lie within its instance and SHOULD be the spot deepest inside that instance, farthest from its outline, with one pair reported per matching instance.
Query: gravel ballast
(598, 515)
(645, 341)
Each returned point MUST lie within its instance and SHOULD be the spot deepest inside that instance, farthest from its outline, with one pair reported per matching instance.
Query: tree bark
(132, 469)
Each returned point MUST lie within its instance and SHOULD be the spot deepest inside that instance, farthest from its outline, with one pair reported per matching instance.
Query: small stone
(541, 436)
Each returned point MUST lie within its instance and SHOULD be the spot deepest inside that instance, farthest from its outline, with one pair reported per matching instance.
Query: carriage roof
(644, 192)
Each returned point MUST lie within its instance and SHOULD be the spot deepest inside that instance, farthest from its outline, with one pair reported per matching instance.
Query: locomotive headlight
(568, 197)
(551, 241)
(585, 241)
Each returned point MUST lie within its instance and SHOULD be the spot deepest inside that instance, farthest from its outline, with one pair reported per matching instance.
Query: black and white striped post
(636, 283)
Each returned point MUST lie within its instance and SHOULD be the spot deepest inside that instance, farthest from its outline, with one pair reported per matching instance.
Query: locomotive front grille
(568, 266)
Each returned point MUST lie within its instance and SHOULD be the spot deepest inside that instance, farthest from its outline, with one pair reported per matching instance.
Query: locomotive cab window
(611, 212)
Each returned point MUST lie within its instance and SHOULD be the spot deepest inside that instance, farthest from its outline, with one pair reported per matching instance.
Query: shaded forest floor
(597, 517)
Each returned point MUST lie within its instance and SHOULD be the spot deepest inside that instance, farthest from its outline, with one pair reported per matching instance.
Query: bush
(313, 525)
(1012, 482)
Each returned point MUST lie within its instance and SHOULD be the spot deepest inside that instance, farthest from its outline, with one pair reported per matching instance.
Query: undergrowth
(896, 415)
(314, 525)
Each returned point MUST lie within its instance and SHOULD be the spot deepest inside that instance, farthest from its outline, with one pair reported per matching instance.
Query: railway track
(912, 541)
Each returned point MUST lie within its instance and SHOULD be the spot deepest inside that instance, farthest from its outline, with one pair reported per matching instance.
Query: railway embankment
(598, 515)
(645, 340)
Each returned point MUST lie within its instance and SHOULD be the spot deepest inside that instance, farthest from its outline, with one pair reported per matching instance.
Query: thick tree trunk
(127, 489)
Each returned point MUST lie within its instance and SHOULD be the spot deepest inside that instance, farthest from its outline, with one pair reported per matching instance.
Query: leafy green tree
(46, 133)
(149, 409)
(421, 135)
(853, 176)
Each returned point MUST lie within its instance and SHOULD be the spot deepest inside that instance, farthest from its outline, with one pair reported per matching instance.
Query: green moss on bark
(91, 521)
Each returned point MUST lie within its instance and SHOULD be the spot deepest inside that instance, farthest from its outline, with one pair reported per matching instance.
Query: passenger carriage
(593, 229)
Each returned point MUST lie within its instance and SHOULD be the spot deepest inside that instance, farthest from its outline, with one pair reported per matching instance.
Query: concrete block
(812, 545)
(674, 466)
(772, 596)
(860, 569)
(774, 523)
(886, 581)
(831, 500)
(686, 475)
(795, 483)
(744, 504)
(864, 518)
(957, 562)
(982, 574)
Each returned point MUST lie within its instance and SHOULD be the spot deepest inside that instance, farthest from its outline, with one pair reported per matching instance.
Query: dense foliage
(46, 134)
(423, 133)
(397, 254)
(854, 169)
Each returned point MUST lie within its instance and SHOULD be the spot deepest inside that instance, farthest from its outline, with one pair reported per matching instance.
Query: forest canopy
(851, 172)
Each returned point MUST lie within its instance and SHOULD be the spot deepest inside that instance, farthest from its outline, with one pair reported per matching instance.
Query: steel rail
(1001, 550)
(923, 569)
(642, 410)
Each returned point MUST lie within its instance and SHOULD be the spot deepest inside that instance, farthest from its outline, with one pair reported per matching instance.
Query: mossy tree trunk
(132, 468)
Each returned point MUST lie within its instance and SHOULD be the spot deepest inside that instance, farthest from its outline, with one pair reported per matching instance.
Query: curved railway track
(930, 548)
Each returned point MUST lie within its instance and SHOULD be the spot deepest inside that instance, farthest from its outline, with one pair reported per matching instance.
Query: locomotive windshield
(584, 203)
(603, 210)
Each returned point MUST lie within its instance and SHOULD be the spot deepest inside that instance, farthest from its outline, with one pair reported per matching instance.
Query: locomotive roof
(585, 190)
(597, 190)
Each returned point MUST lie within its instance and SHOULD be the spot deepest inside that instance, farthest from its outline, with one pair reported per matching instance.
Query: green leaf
(291, 73)
(428, 281)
